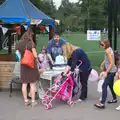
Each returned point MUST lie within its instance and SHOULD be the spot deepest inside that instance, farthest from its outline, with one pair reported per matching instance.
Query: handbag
(28, 58)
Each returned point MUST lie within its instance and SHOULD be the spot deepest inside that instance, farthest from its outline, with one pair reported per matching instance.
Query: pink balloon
(93, 76)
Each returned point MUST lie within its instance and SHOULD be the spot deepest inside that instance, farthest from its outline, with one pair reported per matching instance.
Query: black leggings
(84, 82)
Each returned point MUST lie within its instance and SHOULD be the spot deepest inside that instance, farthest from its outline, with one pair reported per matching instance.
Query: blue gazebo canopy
(18, 11)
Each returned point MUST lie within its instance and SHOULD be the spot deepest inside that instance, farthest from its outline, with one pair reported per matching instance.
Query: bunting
(17, 29)
(25, 26)
(47, 28)
(35, 22)
(42, 28)
(4, 29)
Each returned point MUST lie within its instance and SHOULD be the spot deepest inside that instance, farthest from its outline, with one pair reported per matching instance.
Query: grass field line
(92, 52)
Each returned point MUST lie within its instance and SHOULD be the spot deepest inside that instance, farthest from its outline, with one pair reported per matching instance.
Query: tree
(2, 1)
(36, 2)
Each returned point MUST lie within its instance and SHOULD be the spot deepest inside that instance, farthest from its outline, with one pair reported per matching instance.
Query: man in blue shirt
(55, 46)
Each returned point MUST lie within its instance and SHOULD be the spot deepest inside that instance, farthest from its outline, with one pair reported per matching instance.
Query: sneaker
(118, 108)
(112, 101)
(80, 100)
(33, 104)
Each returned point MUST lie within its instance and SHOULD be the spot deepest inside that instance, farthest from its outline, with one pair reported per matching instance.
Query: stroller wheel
(71, 103)
(46, 106)
(50, 106)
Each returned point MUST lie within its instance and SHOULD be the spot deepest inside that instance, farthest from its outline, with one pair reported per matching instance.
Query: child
(100, 83)
(118, 77)
(44, 60)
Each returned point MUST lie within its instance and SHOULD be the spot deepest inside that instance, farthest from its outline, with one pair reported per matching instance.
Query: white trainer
(118, 108)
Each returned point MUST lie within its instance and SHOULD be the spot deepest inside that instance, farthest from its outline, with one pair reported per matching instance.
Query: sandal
(33, 104)
(112, 101)
(27, 103)
(101, 106)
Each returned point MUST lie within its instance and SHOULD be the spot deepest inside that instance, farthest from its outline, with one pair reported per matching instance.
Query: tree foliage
(73, 15)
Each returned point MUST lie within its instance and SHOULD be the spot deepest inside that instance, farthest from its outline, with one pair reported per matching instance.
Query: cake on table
(59, 60)
(60, 63)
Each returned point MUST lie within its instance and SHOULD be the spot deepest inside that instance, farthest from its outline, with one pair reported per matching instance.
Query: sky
(58, 2)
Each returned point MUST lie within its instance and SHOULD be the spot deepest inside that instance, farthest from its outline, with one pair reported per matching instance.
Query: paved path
(14, 109)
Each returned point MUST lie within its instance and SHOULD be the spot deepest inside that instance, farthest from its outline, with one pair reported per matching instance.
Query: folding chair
(15, 76)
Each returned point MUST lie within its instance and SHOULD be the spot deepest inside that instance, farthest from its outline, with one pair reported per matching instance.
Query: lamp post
(110, 16)
(115, 23)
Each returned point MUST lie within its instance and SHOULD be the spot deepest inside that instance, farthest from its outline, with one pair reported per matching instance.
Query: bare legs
(32, 92)
(24, 92)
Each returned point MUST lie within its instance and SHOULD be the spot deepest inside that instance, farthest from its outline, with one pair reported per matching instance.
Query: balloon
(116, 87)
(93, 76)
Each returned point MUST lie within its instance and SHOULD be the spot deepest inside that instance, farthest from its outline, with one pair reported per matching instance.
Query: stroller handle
(62, 73)
(80, 63)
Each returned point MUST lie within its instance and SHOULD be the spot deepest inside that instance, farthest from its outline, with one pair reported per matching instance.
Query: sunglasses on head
(101, 44)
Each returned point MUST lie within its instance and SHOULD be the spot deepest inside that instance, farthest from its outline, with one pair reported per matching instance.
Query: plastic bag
(99, 87)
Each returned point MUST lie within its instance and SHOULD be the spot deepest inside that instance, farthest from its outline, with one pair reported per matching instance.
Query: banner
(93, 35)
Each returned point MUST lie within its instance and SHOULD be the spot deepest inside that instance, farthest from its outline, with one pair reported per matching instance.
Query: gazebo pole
(22, 30)
(110, 6)
(50, 32)
(9, 39)
(115, 24)
(34, 36)
(86, 26)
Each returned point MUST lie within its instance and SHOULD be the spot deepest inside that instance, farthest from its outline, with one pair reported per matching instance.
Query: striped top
(107, 63)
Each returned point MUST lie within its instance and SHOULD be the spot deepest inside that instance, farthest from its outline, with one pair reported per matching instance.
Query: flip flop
(101, 106)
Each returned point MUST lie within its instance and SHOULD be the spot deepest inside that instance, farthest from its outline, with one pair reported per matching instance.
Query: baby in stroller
(63, 89)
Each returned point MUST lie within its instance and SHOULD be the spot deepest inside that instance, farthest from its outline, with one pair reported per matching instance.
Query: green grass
(81, 41)
(78, 39)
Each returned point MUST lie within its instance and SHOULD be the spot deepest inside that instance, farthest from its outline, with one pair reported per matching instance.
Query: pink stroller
(62, 89)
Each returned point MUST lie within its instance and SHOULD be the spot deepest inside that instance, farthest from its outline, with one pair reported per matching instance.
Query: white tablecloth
(48, 75)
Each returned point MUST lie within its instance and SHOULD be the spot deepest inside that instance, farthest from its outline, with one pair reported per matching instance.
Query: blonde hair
(68, 50)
